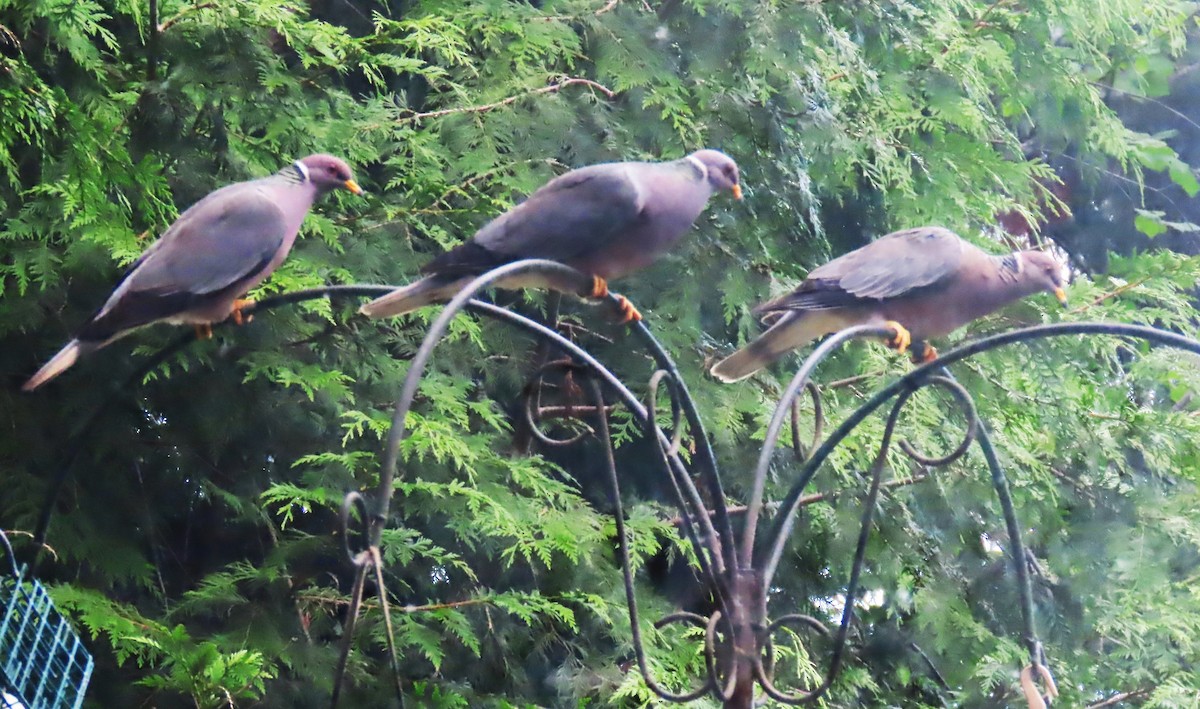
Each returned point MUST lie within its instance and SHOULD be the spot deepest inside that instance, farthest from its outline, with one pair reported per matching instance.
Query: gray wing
(214, 245)
(567, 218)
(221, 241)
(892, 266)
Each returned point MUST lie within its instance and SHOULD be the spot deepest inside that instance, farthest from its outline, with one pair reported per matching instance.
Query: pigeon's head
(1045, 272)
(719, 169)
(328, 173)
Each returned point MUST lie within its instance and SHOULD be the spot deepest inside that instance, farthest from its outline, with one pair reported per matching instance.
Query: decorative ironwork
(738, 634)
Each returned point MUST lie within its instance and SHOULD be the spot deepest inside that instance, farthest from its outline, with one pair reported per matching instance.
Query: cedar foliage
(193, 544)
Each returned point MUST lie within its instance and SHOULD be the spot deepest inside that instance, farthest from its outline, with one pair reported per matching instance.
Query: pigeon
(922, 283)
(216, 251)
(604, 220)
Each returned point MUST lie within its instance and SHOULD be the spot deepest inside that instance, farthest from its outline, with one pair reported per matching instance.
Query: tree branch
(1111, 294)
(552, 88)
(170, 21)
(814, 497)
(1118, 698)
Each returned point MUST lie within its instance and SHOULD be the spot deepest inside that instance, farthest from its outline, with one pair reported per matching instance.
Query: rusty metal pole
(748, 609)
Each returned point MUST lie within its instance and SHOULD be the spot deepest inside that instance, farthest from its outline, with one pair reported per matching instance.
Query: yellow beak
(353, 187)
(1061, 295)
(737, 191)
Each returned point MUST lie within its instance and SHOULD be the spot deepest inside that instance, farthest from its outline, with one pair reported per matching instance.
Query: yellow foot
(237, 315)
(599, 287)
(628, 312)
(204, 332)
(901, 340)
(927, 354)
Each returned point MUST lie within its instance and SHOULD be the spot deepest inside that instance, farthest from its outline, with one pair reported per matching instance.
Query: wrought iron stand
(738, 645)
(738, 634)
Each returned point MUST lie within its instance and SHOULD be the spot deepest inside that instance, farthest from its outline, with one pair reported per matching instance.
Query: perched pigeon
(923, 283)
(216, 251)
(604, 220)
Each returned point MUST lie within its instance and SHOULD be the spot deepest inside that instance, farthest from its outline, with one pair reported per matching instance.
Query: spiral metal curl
(799, 448)
(531, 407)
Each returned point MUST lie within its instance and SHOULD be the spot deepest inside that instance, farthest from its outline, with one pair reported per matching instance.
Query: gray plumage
(604, 220)
(215, 252)
(927, 280)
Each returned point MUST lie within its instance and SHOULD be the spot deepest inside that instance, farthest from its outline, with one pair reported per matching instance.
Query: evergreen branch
(462, 188)
(170, 21)
(1118, 698)
(484, 108)
(611, 5)
(1111, 294)
(314, 598)
(443, 606)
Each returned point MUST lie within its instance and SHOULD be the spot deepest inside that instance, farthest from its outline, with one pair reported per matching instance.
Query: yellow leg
(901, 340)
(628, 312)
(599, 287)
(204, 332)
(238, 316)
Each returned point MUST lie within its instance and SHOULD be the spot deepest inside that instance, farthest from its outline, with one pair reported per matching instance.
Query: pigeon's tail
(428, 290)
(60, 362)
(794, 329)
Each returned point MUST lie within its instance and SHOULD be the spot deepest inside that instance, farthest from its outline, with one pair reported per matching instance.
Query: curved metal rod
(818, 422)
(416, 370)
(869, 506)
(1016, 545)
(689, 506)
(635, 407)
(705, 459)
(676, 410)
(860, 551)
(626, 564)
(763, 671)
(530, 397)
(754, 507)
(723, 693)
(782, 524)
(963, 399)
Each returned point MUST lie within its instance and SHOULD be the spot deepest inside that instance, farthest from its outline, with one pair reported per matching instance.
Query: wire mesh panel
(43, 663)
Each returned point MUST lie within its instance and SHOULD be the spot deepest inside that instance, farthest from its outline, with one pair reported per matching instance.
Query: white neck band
(300, 168)
(699, 166)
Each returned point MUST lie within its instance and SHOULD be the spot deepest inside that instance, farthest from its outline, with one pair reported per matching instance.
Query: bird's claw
(238, 316)
(925, 354)
(628, 312)
(204, 332)
(901, 340)
(599, 287)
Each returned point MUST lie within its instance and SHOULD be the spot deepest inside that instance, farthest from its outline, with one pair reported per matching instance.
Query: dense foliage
(194, 542)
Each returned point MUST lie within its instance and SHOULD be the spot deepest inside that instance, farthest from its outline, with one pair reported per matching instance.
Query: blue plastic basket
(43, 663)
